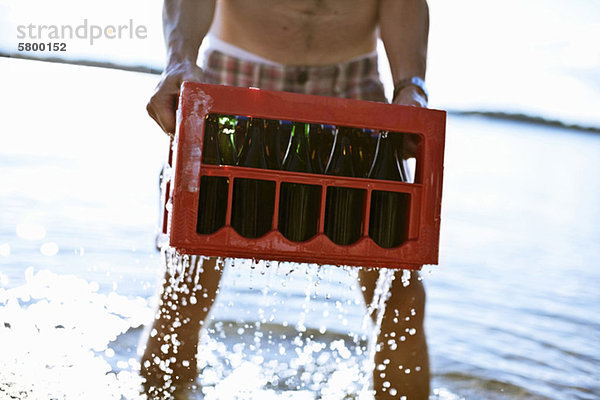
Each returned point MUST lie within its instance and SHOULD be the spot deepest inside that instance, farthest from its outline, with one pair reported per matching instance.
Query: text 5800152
(43, 46)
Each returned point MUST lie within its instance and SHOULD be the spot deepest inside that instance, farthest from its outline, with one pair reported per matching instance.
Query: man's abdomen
(299, 32)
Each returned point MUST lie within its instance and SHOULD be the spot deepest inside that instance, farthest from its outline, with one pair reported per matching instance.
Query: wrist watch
(415, 81)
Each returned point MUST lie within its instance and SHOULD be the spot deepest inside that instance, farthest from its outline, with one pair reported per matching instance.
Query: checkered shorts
(357, 79)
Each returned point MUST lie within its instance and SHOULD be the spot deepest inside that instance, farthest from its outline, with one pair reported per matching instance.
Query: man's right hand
(163, 103)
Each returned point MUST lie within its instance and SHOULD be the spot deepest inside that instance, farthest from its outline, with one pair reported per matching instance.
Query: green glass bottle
(320, 141)
(239, 134)
(343, 206)
(273, 144)
(227, 139)
(299, 204)
(253, 199)
(389, 212)
(364, 142)
(217, 149)
(285, 133)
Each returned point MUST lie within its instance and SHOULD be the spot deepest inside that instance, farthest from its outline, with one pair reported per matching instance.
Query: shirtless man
(323, 47)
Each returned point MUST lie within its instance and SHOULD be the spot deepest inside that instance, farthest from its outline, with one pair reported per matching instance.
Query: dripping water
(307, 355)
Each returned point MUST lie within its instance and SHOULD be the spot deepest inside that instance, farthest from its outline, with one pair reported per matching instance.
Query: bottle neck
(341, 162)
(386, 164)
(297, 157)
(253, 152)
(273, 143)
(210, 145)
(226, 137)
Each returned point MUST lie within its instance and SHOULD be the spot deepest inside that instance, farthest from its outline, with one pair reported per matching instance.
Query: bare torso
(299, 32)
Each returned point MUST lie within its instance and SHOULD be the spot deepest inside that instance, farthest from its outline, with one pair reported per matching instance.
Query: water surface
(512, 307)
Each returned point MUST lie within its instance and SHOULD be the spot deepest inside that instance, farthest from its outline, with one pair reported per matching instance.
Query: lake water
(512, 308)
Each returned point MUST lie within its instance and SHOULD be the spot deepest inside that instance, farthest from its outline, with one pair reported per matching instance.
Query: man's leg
(402, 361)
(169, 361)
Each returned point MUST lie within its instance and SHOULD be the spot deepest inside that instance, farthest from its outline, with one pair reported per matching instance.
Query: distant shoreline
(509, 116)
(86, 63)
(519, 117)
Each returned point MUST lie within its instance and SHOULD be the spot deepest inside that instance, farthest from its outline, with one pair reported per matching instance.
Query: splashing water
(378, 305)
(304, 336)
(302, 339)
(50, 333)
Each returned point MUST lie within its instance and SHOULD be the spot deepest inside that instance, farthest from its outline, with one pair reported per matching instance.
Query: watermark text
(85, 30)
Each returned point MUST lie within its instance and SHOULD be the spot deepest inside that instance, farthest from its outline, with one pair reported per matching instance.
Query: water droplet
(4, 250)
(30, 230)
(49, 249)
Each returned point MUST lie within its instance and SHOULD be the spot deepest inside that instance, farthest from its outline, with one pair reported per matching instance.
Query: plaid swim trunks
(357, 79)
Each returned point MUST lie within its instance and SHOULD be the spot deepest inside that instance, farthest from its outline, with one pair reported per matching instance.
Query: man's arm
(185, 23)
(404, 29)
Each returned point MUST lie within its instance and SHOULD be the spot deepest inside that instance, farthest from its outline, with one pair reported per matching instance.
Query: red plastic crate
(198, 100)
